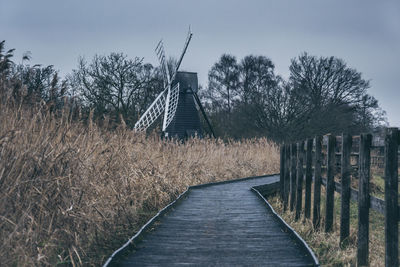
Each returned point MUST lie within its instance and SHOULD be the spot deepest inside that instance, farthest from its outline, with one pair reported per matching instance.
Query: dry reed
(327, 246)
(71, 193)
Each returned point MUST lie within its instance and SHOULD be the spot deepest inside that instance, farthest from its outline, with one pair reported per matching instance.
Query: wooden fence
(303, 161)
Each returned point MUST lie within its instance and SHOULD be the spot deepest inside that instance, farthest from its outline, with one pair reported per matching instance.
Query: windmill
(177, 101)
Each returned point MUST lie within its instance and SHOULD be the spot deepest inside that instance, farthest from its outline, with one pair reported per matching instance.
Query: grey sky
(366, 34)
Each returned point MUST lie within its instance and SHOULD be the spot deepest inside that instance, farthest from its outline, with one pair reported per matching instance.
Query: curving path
(220, 225)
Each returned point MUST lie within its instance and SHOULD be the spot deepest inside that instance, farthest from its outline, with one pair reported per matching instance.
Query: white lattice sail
(157, 108)
(167, 101)
(152, 113)
(163, 63)
(172, 105)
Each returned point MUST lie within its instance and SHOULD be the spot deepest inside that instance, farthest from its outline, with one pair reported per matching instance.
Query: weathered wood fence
(303, 161)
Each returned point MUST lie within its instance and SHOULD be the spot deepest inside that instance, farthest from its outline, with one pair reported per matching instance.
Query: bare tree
(41, 83)
(322, 96)
(242, 96)
(264, 101)
(256, 77)
(329, 93)
(369, 114)
(223, 83)
(117, 86)
(326, 80)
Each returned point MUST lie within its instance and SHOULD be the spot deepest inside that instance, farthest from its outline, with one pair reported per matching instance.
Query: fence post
(293, 155)
(330, 184)
(345, 194)
(317, 182)
(287, 177)
(363, 200)
(307, 201)
(282, 171)
(299, 182)
(391, 197)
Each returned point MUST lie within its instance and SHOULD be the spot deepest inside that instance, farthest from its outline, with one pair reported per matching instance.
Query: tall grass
(71, 193)
(327, 246)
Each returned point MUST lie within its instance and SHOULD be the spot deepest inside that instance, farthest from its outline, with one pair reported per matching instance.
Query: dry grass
(71, 193)
(326, 246)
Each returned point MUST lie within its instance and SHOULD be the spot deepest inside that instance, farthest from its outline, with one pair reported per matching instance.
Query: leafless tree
(223, 83)
(116, 86)
(331, 95)
(323, 95)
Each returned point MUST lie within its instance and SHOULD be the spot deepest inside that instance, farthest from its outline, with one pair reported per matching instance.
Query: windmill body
(177, 101)
(186, 122)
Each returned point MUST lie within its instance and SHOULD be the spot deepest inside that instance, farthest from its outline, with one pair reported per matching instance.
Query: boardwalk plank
(219, 225)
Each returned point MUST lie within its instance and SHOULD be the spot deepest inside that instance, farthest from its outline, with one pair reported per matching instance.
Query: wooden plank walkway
(220, 225)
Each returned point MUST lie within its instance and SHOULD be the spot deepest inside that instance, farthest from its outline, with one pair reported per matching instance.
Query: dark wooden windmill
(178, 101)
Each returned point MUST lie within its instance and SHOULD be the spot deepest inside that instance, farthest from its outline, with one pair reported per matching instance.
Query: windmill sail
(167, 80)
(157, 108)
(152, 113)
(167, 117)
(188, 38)
(167, 100)
(172, 105)
(163, 62)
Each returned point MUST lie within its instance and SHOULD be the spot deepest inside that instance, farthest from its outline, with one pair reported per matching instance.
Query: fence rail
(303, 161)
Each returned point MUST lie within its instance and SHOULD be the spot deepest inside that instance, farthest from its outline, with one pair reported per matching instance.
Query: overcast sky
(366, 34)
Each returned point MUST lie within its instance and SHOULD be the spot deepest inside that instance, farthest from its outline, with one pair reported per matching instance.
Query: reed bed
(327, 246)
(72, 192)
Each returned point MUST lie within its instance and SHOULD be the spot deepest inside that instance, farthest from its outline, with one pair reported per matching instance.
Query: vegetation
(327, 246)
(243, 99)
(72, 192)
(116, 86)
(76, 182)
(322, 95)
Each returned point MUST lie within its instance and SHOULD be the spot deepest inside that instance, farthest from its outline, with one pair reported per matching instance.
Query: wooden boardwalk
(220, 225)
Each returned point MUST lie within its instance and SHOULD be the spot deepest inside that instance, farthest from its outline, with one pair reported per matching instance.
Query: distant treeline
(243, 98)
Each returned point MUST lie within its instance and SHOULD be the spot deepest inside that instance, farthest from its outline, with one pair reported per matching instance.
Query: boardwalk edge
(287, 226)
(168, 207)
(231, 181)
(145, 227)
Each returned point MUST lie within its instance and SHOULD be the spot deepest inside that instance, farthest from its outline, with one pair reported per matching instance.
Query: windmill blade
(188, 38)
(172, 104)
(168, 99)
(152, 113)
(163, 62)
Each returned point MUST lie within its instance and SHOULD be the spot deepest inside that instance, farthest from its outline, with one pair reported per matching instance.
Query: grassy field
(71, 193)
(326, 245)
